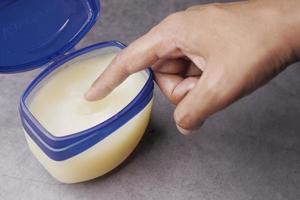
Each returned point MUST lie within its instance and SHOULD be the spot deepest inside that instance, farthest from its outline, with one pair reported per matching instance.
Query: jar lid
(34, 32)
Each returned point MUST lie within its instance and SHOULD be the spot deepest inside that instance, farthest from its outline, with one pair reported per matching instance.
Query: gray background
(248, 151)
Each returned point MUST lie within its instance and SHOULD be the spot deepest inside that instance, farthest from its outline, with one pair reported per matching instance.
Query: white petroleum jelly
(60, 107)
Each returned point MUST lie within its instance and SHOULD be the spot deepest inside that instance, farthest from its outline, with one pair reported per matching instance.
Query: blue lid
(33, 32)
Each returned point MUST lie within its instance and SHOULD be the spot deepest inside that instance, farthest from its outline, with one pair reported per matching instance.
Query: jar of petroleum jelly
(75, 140)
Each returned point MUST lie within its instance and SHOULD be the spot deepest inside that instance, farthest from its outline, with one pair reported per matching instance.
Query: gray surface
(249, 151)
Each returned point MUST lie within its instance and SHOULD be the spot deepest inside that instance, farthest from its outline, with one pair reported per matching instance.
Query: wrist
(284, 19)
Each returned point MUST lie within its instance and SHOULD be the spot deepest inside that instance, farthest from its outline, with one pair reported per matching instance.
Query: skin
(209, 56)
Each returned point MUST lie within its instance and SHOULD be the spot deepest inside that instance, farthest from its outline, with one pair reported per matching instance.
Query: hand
(209, 56)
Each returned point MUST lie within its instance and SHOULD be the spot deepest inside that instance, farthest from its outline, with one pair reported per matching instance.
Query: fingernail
(190, 131)
(90, 95)
(87, 96)
(183, 131)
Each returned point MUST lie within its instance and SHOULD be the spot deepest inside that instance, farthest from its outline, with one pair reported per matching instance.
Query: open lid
(34, 32)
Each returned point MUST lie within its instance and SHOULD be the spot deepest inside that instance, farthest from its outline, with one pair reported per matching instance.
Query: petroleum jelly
(61, 108)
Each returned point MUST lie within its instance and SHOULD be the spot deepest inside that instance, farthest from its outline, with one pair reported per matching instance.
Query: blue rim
(95, 7)
(61, 148)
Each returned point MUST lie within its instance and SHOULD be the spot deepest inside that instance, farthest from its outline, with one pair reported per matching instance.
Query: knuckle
(174, 17)
(206, 6)
(173, 22)
(117, 60)
(108, 87)
(120, 65)
(194, 7)
(128, 69)
(215, 6)
(173, 26)
(214, 9)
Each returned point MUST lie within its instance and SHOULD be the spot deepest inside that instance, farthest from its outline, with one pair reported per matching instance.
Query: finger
(167, 83)
(193, 70)
(184, 131)
(212, 93)
(198, 61)
(135, 57)
(174, 87)
(171, 66)
(188, 131)
(142, 53)
(180, 66)
(182, 89)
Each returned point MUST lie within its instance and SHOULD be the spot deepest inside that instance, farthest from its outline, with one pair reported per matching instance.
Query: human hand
(211, 55)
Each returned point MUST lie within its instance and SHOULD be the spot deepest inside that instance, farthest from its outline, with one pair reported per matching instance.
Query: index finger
(142, 53)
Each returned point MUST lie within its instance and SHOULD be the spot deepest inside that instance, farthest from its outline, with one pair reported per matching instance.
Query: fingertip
(92, 95)
(189, 131)
(88, 96)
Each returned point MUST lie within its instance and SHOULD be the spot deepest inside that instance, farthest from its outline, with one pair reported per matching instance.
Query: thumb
(214, 91)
